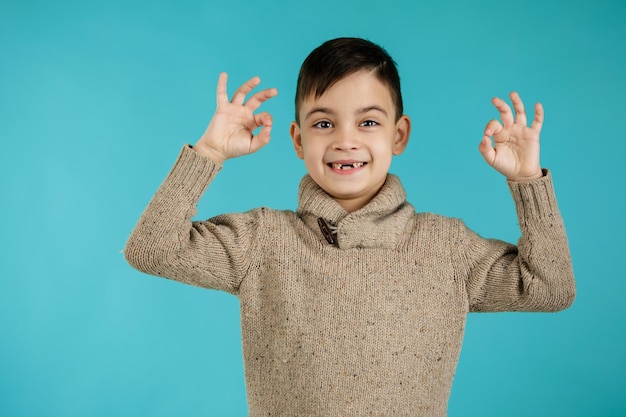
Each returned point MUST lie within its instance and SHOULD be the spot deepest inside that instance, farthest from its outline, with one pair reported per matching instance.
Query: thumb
(493, 128)
(263, 137)
(487, 151)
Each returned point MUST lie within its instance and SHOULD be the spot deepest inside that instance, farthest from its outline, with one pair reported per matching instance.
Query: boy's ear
(403, 131)
(296, 137)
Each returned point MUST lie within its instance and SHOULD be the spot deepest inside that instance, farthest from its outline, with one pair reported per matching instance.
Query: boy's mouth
(346, 165)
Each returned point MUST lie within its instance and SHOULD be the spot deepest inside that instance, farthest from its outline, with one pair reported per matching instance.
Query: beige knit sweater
(371, 325)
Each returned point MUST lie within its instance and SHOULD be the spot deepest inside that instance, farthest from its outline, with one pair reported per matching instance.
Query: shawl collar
(379, 224)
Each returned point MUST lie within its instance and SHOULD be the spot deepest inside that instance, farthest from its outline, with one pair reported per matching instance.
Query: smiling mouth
(352, 165)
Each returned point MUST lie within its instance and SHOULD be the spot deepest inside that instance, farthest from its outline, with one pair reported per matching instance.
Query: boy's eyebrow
(319, 110)
(370, 108)
(326, 110)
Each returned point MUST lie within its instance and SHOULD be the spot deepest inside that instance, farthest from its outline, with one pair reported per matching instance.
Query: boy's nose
(345, 140)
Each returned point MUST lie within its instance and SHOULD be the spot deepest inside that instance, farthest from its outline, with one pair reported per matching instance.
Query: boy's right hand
(230, 132)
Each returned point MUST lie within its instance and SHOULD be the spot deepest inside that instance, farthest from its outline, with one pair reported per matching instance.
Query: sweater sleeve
(166, 242)
(535, 275)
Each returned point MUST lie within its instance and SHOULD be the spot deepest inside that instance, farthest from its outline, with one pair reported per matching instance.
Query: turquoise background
(96, 99)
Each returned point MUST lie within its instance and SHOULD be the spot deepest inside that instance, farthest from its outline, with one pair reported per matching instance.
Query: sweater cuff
(192, 173)
(534, 199)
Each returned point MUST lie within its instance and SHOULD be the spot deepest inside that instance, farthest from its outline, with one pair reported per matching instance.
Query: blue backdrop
(96, 99)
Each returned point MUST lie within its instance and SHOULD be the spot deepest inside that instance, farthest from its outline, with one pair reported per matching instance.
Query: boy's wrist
(209, 152)
(535, 176)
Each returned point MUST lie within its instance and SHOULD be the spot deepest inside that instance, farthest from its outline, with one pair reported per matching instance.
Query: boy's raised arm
(537, 274)
(215, 253)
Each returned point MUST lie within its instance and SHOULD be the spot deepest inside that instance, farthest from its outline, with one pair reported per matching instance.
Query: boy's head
(349, 121)
(338, 58)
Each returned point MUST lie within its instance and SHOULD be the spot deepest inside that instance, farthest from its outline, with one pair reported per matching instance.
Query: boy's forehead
(363, 88)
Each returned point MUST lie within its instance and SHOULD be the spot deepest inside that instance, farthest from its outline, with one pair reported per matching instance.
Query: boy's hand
(515, 150)
(230, 132)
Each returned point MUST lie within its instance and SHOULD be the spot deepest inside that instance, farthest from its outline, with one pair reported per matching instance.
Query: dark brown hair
(338, 58)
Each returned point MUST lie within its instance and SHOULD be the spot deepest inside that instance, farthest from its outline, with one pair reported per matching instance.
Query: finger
(505, 111)
(493, 128)
(244, 89)
(257, 99)
(221, 95)
(538, 119)
(518, 105)
(260, 140)
(487, 151)
(262, 120)
(263, 137)
(259, 120)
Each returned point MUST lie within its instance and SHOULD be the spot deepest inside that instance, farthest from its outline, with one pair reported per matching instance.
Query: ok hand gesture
(231, 130)
(515, 150)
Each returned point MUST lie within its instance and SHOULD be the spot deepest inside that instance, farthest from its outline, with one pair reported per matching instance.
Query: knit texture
(371, 325)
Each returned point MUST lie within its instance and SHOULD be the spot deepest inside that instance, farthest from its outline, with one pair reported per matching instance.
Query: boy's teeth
(336, 165)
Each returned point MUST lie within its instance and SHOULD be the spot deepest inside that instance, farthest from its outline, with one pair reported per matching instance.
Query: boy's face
(347, 138)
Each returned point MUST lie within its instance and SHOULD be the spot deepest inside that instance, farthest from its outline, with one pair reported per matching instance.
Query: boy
(354, 304)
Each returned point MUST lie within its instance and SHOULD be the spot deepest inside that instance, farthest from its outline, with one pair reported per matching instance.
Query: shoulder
(265, 218)
(433, 220)
(274, 214)
(258, 214)
(425, 225)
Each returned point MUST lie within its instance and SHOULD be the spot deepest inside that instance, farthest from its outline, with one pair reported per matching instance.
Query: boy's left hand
(515, 150)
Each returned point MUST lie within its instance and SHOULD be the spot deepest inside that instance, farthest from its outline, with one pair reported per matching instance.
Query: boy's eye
(369, 123)
(323, 124)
